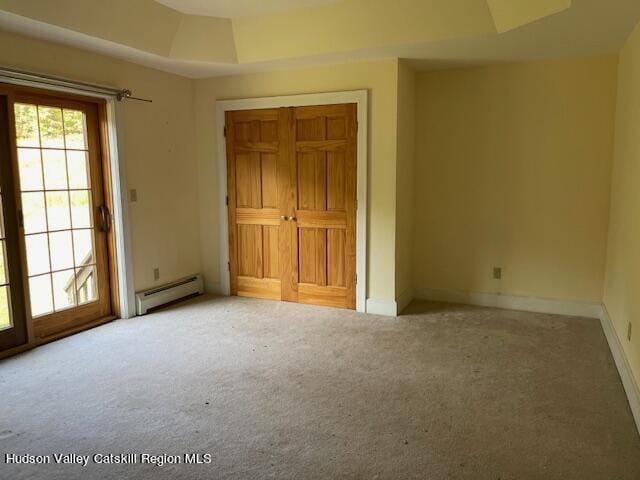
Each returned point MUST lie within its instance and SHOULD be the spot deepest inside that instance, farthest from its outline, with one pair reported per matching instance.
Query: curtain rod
(119, 94)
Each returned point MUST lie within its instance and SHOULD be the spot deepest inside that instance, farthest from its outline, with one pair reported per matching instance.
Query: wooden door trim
(109, 196)
(360, 98)
(120, 279)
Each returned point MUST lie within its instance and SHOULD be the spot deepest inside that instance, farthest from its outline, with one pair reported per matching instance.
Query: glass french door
(63, 222)
(13, 327)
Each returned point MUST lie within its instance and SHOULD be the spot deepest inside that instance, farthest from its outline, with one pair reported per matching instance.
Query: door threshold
(74, 330)
(36, 342)
(15, 350)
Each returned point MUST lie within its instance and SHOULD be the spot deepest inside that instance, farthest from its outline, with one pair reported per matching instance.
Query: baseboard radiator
(157, 296)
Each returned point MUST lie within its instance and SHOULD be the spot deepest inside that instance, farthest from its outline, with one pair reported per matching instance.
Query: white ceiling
(238, 8)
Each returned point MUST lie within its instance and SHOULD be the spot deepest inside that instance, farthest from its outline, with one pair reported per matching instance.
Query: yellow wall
(513, 170)
(174, 171)
(380, 78)
(622, 284)
(406, 126)
(156, 145)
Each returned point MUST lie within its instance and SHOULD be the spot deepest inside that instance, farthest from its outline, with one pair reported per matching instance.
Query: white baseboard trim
(404, 300)
(624, 369)
(382, 307)
(510, 302)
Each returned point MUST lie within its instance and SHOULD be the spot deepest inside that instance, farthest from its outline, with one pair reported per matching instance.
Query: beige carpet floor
(276, 390)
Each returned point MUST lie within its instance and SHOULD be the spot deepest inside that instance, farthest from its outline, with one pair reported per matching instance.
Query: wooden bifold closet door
(291, 176)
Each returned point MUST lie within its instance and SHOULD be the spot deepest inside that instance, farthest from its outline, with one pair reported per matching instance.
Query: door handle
(287, 219)
(105, 219)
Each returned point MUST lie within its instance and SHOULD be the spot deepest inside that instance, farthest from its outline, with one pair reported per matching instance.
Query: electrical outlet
(497, 273)
(156, 274)
(133, 195)
(629, 331)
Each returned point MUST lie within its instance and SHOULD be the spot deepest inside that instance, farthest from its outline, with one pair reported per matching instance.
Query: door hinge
(20, 219)
(357, 126)
(229, 266)
(356, 278)
(225, 131)
(226, 200)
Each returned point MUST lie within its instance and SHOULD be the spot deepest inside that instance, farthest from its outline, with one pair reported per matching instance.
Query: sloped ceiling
(432, 33)
(238, 8)
(511, 14)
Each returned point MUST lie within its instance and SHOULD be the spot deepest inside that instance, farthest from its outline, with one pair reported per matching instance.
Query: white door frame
(359, 97)
(121, 218)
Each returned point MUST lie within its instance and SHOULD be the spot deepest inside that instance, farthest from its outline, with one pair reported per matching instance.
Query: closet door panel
(254, 151)
(324, 147)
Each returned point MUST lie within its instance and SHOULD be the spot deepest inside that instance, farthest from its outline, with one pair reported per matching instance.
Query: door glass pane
(86, 284)
(51, 129)
(33, 212)
(37, 254)
(64, 289)
(58, 210)
(80, 209)
(61, 249)
(40, 292)
(2, 234)
(74, 129)
(56, 203)
(78, 171)
(27, 133)
(55, 169)
(5, 314)
(83, 247)
(30, 169)
(3, 262)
